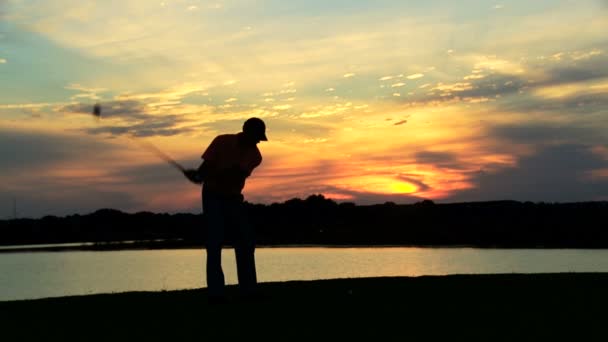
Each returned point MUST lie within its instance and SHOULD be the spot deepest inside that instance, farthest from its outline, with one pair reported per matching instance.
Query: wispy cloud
(85, 92)
(166, 127)
(128, 110)
(84, 89)
(327, 110)
(390, 77)
(175, 93)
(415, 76)
(29, 105)
(133, 118)
(495, 64)
(474, 76)
(314, 141)
(546, 175)
(282, 107)
(564, 79)
(454, 87)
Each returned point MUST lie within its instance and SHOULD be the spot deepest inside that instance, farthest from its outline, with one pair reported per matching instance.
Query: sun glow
(376, 184)
(402, 188)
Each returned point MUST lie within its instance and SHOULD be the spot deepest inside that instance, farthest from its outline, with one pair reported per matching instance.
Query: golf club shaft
(161, 155)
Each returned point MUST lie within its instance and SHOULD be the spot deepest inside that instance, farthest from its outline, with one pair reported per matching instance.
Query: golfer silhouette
(227, 162)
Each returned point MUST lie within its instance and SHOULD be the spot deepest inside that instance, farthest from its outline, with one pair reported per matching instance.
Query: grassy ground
(509, 307)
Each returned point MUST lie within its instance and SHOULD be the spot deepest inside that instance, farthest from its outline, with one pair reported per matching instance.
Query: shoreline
(172, 245)
(233, 288)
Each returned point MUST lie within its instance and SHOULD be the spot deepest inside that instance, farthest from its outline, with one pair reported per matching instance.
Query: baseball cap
(257, 127)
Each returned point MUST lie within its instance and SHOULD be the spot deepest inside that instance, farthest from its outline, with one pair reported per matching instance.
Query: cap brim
(263, 137)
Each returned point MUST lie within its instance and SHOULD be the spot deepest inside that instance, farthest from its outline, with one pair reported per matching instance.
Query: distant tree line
(318, 220)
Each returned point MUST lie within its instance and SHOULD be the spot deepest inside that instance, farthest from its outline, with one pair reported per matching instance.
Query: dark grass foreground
(571, 306)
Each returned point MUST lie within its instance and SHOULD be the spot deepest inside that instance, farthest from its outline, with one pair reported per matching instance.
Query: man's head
(255, 130)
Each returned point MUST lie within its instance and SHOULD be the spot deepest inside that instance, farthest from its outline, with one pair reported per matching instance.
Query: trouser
(228, 216)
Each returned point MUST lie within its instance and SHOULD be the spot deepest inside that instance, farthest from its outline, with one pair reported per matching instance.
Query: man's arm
(198, 175)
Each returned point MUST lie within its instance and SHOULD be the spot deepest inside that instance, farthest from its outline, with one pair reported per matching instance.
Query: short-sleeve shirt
(230, 158)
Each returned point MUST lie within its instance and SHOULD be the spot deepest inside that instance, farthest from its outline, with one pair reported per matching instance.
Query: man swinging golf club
(227, 162)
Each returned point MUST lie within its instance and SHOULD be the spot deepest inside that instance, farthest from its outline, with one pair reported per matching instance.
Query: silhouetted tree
(319, 220)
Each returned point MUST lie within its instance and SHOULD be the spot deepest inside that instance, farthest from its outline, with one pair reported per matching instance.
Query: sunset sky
(364, 101)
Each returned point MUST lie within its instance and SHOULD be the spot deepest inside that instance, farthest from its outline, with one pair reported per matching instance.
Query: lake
(31, 275)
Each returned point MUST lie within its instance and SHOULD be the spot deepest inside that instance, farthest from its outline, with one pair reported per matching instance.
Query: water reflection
(37, 275)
